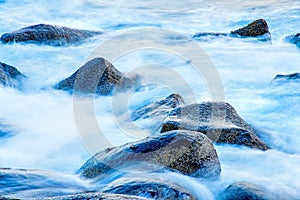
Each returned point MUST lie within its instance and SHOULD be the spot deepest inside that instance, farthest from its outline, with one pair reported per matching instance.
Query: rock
(246, 191)
(6, 198)
(9, 75)
(188, 152)
(294, 39)
(157, 110)
(149, 188)
(294, 76)
(97, 76)
(95, 196)
(217, 120)
(258, 29)
(48, 34)
(26, 184)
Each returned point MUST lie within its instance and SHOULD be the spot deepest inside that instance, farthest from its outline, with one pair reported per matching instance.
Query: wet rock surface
(97, 76)
(48, 34)
(23, 183)
(94, 196)
(156, 112)
(294, 76)
(9, 75)
(246, 191)
(149, 188)
(294, 39)
(184, 151)
(217, 120)
(257, 29)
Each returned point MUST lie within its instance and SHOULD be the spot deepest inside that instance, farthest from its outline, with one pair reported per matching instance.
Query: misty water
(43, 133)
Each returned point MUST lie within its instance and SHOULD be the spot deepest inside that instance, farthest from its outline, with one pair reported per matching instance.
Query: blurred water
(47, 138)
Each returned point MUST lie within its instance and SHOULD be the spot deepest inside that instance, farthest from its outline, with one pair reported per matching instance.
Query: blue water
(47, 136)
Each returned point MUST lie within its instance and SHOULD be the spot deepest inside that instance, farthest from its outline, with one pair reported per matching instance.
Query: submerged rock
(26, 184)
(294, 39)
(294, 76)
(97, 76)
(48, 34)
(9, 75)
(258, 29)
(6, 130)
(149, 188)
(95, 196)
(187, 152)
(157, 110)
(217, 120)
(246, 191)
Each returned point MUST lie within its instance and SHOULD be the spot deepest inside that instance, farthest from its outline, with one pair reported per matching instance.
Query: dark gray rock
(294, 39)
(48, 34)
(257, 29)
(149, 188)
(9, 75)
(187, 152)
(246, 191)
(217, 120)
(157, 110)
(97, 76)
(95, 196)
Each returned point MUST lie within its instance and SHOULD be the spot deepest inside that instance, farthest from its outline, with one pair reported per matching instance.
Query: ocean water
(48, 128)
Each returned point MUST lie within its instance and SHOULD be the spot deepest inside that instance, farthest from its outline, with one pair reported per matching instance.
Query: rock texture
(258, 29)
(48, 34)
(97, 76)
(218, 120)
(156, 112)
(94, 196)
(294, 39)
(149, 188)
(187, 152)
(9, 75)
(246, 191)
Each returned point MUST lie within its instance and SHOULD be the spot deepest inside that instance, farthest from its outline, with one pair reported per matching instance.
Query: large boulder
(48, 34)
(294, 39)
(94, 196)
(97, 76)
(257, 29)
(149, 188)
(155, 112)
(217, 120)
(246, 191)
(187, 152)
(9, 75)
